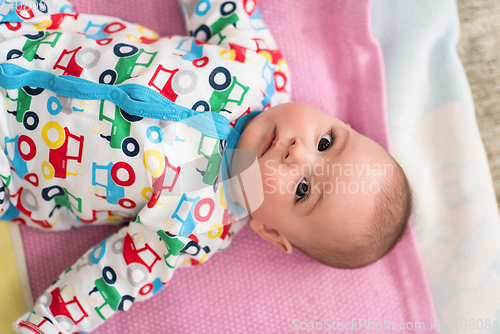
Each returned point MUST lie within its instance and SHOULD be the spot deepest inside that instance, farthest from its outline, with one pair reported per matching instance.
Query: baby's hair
(393, 211)
(388, 224)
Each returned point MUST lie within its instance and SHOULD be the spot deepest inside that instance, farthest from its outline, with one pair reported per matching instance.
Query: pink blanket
(253, 287)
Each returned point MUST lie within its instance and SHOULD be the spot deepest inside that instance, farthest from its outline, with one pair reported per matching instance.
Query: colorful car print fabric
(102, 121)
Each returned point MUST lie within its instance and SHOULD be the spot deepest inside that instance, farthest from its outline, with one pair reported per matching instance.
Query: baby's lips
(269, 142)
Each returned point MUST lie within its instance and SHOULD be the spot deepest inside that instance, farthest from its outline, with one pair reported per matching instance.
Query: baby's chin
(245, 136)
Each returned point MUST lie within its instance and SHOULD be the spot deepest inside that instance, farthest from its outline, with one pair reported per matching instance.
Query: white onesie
(102, 121)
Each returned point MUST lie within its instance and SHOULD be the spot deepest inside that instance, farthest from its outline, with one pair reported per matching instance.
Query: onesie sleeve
(131, 265)
(237, 29)
(235, 24)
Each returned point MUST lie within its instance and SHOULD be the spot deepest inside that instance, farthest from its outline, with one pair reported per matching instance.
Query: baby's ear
(271, 235)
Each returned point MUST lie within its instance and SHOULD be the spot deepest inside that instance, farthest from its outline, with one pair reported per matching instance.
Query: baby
(103, 122)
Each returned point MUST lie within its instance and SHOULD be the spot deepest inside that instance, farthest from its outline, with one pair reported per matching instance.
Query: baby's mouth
(269, 142)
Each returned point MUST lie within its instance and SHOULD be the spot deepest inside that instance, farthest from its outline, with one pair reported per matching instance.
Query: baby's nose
(296, 152)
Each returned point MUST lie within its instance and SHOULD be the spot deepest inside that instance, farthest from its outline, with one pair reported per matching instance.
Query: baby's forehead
(350, 203)
(343, 228)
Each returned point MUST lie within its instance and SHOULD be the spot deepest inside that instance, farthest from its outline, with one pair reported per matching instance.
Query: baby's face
(320, 177)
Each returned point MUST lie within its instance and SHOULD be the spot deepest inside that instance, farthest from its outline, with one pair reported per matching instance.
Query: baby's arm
(236, 24)
(237, 27)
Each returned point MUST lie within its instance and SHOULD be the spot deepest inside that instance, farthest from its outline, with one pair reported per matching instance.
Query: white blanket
(435, 138)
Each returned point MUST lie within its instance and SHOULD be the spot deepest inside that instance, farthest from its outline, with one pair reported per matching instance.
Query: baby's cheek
(272, 205)
(242, 143)
(270, 185)
(277, 184)
(276, 194)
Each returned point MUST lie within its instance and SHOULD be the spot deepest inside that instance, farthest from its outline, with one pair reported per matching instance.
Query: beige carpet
(479, 49)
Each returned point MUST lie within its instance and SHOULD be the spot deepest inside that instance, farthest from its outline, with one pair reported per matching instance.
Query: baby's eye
(325, 142)
(302, 190)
